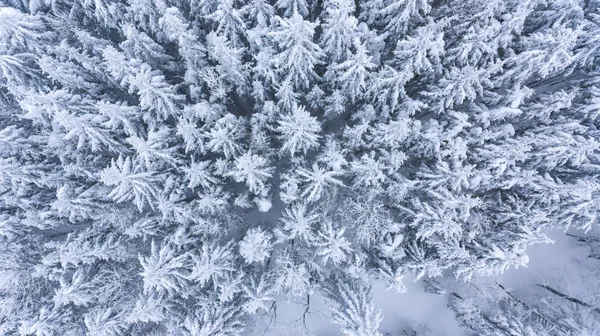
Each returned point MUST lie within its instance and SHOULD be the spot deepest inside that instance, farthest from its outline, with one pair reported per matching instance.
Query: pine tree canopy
(174, 167)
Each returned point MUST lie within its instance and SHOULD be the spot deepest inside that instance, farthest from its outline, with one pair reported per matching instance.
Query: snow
(256, 245)
(264, 204)
(389, 249)
(414, 309)
(424, 312)
(271, 154)
(547, 262)
(289, 321)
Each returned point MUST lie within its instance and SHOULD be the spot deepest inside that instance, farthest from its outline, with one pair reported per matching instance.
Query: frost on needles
(173, 167)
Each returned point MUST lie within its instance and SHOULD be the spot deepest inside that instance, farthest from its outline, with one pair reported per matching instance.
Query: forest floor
(427, 313)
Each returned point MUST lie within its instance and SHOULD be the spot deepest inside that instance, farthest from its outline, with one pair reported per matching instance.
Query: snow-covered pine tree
(352, 307)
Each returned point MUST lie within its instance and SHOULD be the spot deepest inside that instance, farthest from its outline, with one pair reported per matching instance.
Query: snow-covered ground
(425, 312)
(559, 258)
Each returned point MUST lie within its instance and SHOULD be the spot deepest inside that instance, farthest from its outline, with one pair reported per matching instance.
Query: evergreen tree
(353, 308)
(298, 54)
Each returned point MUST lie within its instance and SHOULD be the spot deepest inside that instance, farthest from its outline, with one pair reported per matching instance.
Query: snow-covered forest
(194, 167)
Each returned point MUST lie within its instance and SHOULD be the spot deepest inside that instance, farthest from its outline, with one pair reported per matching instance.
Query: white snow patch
(264, 204)
(424, 312)
(427, 313)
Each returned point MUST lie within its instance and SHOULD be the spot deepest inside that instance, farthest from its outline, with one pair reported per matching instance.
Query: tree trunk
(533, 311)
(570, 298)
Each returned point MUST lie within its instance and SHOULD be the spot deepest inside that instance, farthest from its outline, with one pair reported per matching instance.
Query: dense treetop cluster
(172, 167)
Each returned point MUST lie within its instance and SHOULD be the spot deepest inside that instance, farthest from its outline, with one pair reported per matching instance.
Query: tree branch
(306, 311)
(570, 298)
